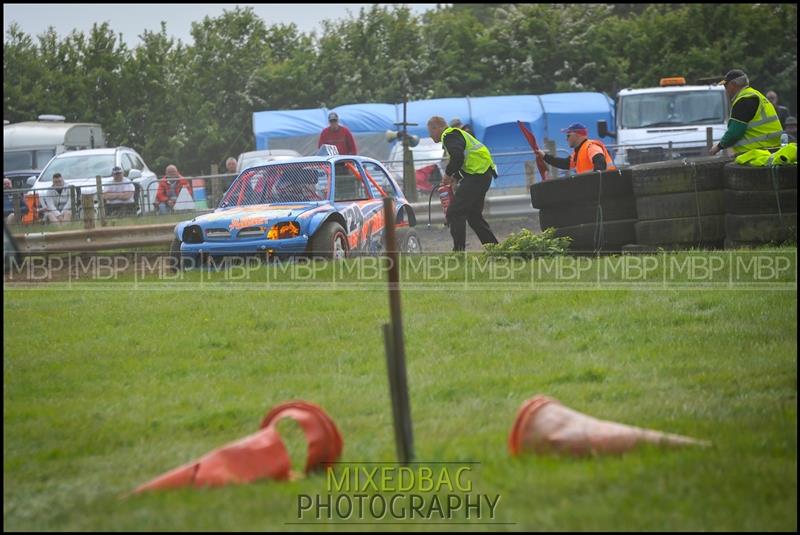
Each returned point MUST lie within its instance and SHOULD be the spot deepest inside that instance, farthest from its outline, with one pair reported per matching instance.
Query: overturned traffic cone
(544, 425)
(261, 455)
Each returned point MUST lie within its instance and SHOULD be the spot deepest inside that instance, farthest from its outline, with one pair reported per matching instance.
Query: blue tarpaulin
(493, 119)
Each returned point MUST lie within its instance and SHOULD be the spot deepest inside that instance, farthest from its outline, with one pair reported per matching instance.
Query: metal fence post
(100, 202)
(550, 148)
(669, 150)
(15, 203)
(709, 137)
(87, 202)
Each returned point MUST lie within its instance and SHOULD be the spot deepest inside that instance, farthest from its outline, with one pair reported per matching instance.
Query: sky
(132, 19)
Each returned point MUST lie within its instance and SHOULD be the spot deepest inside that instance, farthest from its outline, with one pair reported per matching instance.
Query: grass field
(108, 386)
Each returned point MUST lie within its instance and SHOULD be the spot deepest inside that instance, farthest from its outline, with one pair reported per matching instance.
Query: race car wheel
(408, 241)
(175, 254)
(330, 241)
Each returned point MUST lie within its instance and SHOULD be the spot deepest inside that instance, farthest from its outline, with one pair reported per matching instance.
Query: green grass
(106, 388)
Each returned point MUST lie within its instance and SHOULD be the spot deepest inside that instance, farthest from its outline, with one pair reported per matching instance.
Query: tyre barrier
(678, 176)
(597, 210)
(760, 205)
(680, 203)
(682, 233)
(583, 188)
(586, 212)
(606, 236)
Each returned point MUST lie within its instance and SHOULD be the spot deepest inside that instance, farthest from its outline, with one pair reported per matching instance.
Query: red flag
(535, 146)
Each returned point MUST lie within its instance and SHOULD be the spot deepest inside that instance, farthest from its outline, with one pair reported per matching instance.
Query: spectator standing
(8, 203)
(336, 134)
(57, 202)
(791, 128)
(118, 196)
(231, 165)
(782, 111)
(169, 187)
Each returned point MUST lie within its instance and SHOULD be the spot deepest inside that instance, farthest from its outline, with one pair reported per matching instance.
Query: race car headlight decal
(281, 231)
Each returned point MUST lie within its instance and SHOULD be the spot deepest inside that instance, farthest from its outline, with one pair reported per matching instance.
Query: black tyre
(744, 177)
(330, 241)
(743, 202)
(761, 228)
(705, 231)
(408, 241)
(611, 236)
(586, 187)
(678, 176)
(177, 259)
(565, 215)
(675, 205)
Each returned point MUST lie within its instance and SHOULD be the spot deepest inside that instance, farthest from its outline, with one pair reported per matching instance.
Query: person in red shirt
(169, 187)
(338, 135)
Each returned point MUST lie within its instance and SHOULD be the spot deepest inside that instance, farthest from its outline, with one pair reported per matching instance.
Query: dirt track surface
(438, 239)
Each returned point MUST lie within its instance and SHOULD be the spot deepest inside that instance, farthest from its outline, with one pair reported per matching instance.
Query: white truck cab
(667, 122)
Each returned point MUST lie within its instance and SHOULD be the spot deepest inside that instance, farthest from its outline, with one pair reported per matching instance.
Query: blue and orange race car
(327, 206)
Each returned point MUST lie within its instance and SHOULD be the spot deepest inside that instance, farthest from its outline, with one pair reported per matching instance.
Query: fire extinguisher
(446, 194)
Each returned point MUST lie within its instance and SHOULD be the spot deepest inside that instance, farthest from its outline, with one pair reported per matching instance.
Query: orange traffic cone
(261, 455)
(544, 425)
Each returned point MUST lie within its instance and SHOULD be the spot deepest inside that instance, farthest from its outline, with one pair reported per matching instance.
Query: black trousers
(467, 207)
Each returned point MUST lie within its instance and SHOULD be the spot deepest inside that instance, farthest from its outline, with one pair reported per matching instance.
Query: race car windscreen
(277, 183)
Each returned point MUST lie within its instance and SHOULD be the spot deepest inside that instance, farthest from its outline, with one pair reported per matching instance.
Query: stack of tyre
(760, 205)
(680, 203)
(597, 210)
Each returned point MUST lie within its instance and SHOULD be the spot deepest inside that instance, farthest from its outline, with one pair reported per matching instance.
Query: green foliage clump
(526, 244)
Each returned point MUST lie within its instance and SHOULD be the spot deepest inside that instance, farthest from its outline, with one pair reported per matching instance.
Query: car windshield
(79, 167)
(277, 183)
(670, 109)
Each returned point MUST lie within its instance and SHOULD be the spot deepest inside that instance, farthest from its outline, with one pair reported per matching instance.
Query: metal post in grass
(709, 137)
(395, 347)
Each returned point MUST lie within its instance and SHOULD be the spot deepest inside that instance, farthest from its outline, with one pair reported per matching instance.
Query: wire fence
(74, 207)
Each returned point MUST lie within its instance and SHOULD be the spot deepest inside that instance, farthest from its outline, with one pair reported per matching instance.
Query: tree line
(192, 103)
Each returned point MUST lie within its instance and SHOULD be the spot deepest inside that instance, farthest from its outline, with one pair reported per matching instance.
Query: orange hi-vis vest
(582, 160)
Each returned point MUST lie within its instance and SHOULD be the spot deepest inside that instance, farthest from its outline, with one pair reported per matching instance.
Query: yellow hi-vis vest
(477, 159)
(764, 129)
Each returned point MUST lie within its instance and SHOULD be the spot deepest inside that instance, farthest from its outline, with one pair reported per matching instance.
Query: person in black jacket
(467, 205)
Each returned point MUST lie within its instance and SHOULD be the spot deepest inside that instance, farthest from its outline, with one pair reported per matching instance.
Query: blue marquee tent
(493, 119)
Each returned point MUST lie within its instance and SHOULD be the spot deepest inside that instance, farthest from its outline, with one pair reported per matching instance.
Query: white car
(260, 157)
(80, 168)
(429, 163)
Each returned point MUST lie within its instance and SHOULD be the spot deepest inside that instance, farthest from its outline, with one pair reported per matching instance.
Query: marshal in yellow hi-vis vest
(764, 129)
(477, 159)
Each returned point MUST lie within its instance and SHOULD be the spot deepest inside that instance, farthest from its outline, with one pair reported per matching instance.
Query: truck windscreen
(682, 108)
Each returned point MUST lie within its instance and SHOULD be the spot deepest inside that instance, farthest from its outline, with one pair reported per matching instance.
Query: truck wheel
(330, 241)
